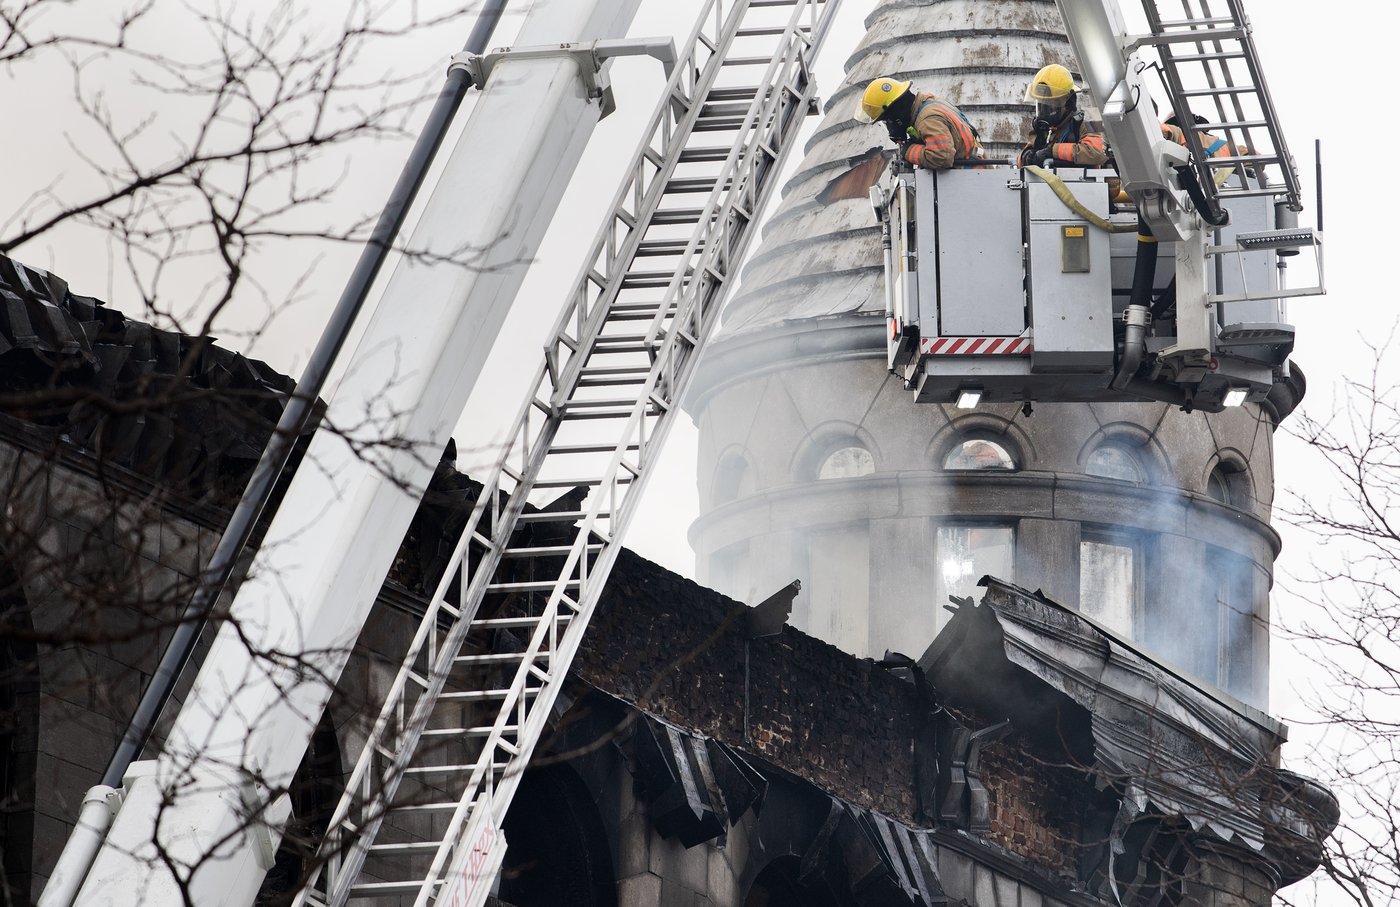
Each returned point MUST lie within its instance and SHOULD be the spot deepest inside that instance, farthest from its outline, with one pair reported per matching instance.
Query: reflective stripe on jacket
(945, 132)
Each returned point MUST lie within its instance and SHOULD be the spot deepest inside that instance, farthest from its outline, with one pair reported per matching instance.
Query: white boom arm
(1113, 76)
(208, 809)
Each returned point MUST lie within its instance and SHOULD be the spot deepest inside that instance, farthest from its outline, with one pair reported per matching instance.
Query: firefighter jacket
(1078, 140)
(945, 133)
(1213, 146)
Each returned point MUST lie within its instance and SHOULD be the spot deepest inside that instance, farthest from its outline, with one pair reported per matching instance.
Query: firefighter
(1213, 146)
(1060, 131)
(930, 132)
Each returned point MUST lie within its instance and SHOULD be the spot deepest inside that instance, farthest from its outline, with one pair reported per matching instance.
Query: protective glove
(1037, 157)
(911, 151)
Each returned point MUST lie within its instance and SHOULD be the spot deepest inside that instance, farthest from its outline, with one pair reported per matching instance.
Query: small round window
(847, 463)
(978, 453)
(1114, 461)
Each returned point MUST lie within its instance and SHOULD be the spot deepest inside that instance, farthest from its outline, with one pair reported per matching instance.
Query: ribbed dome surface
(820, 260)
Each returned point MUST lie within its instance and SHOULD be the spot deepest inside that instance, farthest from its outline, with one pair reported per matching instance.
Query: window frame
(1136, 542)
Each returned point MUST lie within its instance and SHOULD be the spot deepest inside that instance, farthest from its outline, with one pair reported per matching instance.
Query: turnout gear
(879, 95)
(945, 131)
(930, 132)
(1067, 134)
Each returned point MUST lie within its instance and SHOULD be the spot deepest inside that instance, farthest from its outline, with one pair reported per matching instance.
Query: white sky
(1331, 75)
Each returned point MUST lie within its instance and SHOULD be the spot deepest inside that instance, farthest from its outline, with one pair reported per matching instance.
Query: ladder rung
(717, 110)
(644, 312)
(442, 806)
(544, 585)
(381, 889)
(746, 61)
(587, 449)
(480, 731)
(638, 378)
(666, 246)
(733, 93)
(1250, 193)
(516, 623)
(704, 154)
(1208, 57)
(672, 216)
(1242, 159)
(1198, 35)
(719, 124)
(600, 414)
(765, 30)
(559, 516)
(690, 184)
(1196, 23)
(617, 371)
(543, 551)
(1213, 92)
(585, 405)
(483, 695)
(485, 658)
(622, 479)
(408, 847)
(1241, 124)
(634, 280)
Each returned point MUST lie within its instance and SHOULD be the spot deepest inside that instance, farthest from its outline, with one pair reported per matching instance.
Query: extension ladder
(421, 815)
(1208, 57)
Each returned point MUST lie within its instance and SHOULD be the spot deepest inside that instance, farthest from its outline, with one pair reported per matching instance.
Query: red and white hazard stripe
(975, 346)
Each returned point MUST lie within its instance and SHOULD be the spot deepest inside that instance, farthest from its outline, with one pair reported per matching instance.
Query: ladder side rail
(619, 485)
(739, 160)
(1225, 91)
(1266, 105)
(1228, 96)
(363, 774)
(566, 646)
(685, 68)
(489, 499)
(1171, 75)
(590, 320)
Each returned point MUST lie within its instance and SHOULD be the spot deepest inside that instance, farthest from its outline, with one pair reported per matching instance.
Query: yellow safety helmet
(879, 95)
(1052, 83)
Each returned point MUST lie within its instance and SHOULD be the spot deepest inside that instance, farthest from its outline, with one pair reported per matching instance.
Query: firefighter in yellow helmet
(930, 132)
(1061, 132)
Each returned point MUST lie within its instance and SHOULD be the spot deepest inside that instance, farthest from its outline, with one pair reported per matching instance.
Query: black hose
(1186, 179)
(300, 407)
(1144, 265)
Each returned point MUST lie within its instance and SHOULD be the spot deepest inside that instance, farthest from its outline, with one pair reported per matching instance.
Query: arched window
(1229, 484)
(1114, 461)
(978, 453)
(846, 463)
(733, 479)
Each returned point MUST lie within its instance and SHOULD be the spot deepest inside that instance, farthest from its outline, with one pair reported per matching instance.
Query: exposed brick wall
(838, 721)
(1037, 807)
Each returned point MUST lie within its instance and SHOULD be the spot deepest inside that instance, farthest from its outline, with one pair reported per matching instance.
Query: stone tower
(815, 464)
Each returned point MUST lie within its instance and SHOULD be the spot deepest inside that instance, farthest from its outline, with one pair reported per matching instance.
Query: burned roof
(169, 406)
(1168, 743)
